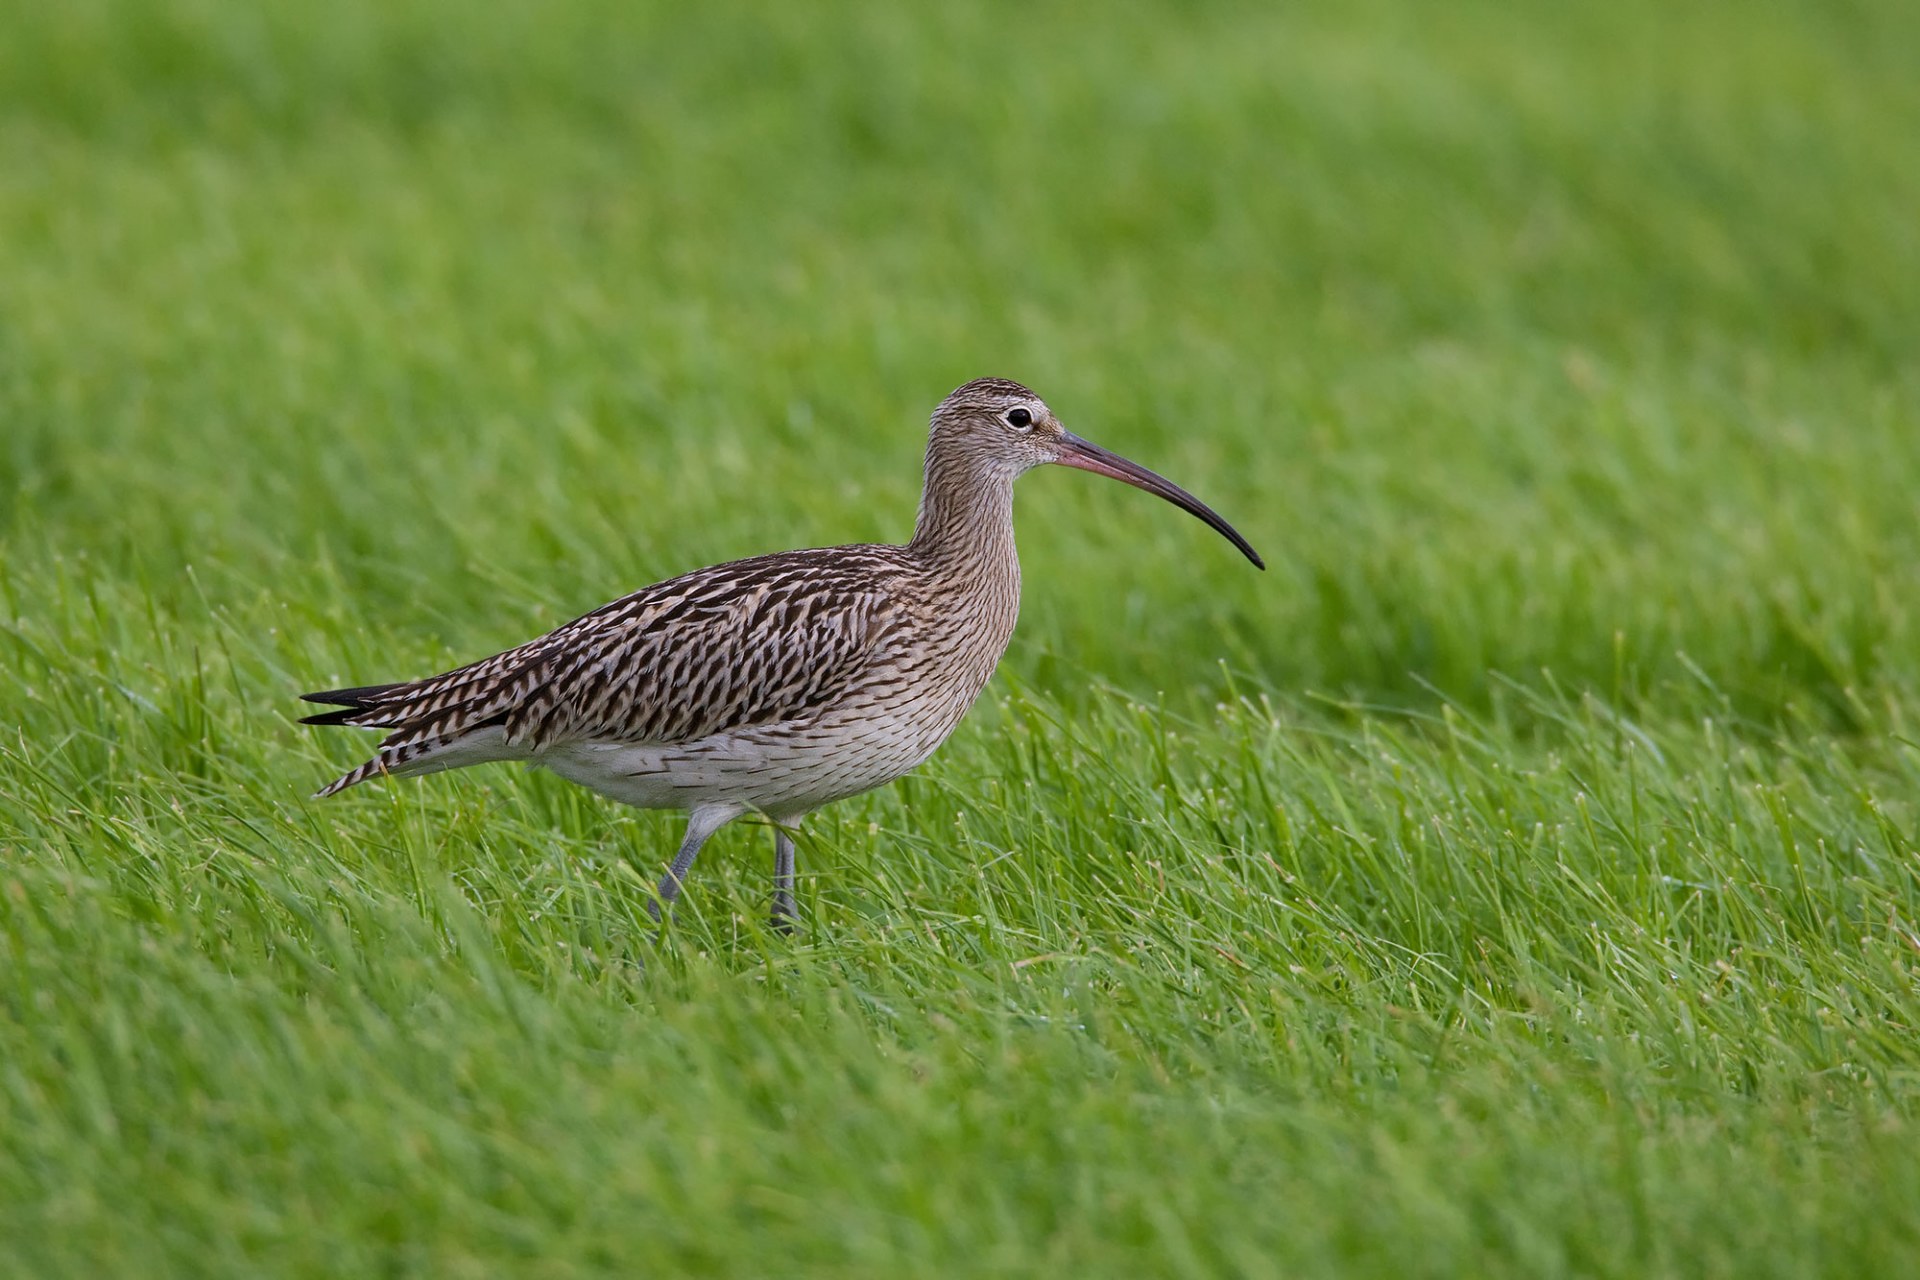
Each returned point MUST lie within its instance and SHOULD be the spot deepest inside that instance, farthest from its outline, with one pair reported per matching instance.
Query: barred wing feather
(737, 645)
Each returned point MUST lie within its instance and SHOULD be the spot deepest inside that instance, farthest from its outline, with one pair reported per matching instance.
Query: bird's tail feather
(434, 724)
(361, 773)
(409, 759)
(353, 703)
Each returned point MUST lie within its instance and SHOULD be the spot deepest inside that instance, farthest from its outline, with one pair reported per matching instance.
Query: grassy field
(1520, 879)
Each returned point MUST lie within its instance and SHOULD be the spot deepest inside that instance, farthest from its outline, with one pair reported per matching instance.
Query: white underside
(781, 770)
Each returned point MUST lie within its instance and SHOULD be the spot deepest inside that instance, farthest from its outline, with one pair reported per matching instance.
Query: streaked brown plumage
(775, 684)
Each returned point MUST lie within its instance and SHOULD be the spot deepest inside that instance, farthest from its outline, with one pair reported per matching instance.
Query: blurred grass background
(1517, 879)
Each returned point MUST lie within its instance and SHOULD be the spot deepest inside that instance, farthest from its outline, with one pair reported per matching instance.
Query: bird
(771, 685)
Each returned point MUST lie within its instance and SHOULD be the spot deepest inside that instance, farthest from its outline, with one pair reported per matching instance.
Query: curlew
(771, 685)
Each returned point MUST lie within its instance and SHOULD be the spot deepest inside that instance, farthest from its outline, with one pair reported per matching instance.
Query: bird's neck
(966, 519)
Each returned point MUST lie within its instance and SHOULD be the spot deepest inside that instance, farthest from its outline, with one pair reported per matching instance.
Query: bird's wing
(748, 643)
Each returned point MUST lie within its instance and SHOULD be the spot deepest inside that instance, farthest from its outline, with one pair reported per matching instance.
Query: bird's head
(1000, 427)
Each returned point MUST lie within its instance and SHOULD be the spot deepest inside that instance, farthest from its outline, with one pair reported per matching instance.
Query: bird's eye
(1020, 420)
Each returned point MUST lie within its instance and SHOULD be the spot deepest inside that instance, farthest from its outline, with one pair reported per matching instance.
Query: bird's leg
(784, 915)
(701, 823)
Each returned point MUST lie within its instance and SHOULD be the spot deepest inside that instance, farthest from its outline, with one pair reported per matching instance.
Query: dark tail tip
(343, 716)
(355, 701)
(359, 697)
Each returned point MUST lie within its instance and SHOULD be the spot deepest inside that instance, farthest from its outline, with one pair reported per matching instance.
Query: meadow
(1521, 878)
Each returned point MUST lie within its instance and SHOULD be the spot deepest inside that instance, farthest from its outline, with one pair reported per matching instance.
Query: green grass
(1522, 878)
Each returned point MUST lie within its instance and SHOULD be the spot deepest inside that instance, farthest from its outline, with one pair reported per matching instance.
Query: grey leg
(785, 917)
(701, 823)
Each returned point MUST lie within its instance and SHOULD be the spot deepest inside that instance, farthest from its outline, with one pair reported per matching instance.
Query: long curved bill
(1084, 454)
